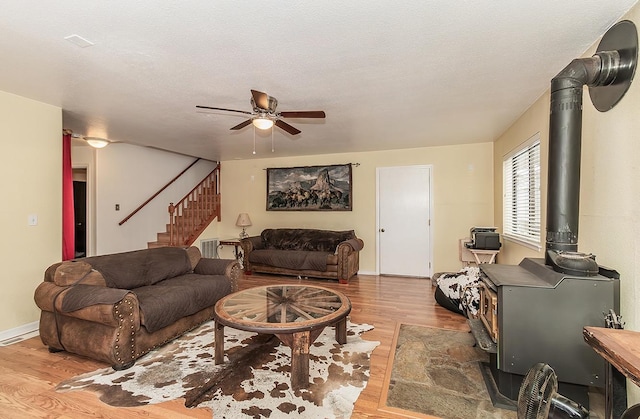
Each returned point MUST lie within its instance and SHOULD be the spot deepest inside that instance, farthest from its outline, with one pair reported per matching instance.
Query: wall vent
(20, 338)
(209, 248)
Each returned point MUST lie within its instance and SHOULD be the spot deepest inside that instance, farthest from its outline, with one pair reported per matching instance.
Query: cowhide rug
(254, 381)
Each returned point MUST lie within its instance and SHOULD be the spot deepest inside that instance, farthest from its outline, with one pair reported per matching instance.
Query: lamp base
(243, 234)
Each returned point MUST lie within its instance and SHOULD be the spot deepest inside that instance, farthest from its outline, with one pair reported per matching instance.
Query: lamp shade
(262, 123)
(243, 220)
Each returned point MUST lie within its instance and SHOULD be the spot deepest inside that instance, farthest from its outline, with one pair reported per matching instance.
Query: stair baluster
(192, 214)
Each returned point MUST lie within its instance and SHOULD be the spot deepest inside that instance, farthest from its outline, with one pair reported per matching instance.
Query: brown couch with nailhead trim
(115, 308)
(304, 253)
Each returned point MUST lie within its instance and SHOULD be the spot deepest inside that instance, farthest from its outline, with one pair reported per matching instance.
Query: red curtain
(68, 219)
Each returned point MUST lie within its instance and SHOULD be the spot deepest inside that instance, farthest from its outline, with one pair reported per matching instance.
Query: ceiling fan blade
(223, 109)
(290, 129)
(260, 99)
(241, 125)
(303, 114)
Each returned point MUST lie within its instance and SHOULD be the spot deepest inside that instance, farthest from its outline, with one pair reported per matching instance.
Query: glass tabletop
(282, 306)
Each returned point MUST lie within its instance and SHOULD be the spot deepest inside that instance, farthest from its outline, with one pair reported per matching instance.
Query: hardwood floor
(29, 373)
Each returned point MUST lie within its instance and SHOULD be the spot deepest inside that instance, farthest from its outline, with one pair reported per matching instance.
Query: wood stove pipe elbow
(565, 137)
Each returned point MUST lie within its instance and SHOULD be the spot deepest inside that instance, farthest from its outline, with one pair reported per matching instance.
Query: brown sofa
(304, 252)
(116, 308)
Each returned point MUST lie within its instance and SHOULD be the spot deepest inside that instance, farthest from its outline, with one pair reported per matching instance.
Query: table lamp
(243, 221)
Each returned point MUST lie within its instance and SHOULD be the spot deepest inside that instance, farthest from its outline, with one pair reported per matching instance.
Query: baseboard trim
(366, 273)
(7, 337)
(373, 273)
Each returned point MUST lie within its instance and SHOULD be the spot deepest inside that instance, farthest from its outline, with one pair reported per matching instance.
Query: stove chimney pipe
(608, 74)
(565, 135)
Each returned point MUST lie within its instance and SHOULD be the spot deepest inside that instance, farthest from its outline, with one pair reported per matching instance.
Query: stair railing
(193, 213)
(125, 219)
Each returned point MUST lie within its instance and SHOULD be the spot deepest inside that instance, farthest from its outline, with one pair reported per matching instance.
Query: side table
(236, 248)
(484, 256)
(478, 256)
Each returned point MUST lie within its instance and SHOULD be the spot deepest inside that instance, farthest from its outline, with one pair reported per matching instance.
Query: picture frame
(310, 188)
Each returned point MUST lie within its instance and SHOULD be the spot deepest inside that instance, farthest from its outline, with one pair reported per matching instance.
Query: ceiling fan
(264, 114)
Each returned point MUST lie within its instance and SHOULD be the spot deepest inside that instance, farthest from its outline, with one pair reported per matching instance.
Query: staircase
(192, 214)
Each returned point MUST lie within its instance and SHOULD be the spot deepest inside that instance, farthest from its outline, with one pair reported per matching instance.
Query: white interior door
(404, 218)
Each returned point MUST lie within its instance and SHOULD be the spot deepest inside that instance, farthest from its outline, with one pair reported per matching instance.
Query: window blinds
(521, 200)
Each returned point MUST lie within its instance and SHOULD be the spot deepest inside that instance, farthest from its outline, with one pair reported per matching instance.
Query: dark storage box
(486, 241)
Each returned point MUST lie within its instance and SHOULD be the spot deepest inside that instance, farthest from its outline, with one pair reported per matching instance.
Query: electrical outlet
(32, 220)
(117, 207)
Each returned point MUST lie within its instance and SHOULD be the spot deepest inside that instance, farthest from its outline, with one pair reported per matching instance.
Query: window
(521, 194)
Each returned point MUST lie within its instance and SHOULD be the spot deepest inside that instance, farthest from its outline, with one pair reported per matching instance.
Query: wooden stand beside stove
(621, 349)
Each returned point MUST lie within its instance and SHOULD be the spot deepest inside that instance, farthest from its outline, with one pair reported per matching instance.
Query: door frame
(90, 204)
(429, 167)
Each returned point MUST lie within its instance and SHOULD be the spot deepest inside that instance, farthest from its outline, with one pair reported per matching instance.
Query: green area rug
(437, 372)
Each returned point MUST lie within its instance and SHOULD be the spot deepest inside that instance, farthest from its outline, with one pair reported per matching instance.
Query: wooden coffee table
(296, 314)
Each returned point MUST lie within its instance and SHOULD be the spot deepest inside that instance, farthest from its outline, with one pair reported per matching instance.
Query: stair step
(166, 237)
(151, 245)
(196, 212)
(155, 245)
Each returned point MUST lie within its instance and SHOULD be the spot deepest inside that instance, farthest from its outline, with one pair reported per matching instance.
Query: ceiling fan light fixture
(96, 142)
(264, 115)
(262, 123)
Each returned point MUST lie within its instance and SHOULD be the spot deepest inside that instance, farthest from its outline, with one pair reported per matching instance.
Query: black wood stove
(535, 311)
(530, 313)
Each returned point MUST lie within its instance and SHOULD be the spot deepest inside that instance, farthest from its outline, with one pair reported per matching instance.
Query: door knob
(382, 230)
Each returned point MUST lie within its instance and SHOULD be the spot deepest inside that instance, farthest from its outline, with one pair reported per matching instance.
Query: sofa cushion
(291, 259)
(304, 239)
(167, 301)
(81, 296)
(138, 268)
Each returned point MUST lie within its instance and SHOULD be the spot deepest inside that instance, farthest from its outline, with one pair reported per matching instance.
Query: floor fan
(538, 397)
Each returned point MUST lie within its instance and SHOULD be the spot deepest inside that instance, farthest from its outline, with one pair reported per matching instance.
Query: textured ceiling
(388, 74)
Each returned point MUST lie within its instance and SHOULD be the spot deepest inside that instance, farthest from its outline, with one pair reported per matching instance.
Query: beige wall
(31, 183)
(535, 120)
(462, 197)
(610, 187)
(610, 190)
(128, 175)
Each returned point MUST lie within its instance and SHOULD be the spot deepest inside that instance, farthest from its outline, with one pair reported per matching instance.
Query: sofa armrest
(208, 266)
(355, 245)
(251, 243)
(227, 267)
(350, 245)
(348, 248)
(72, 272)
(109, 310)
(348, 253)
